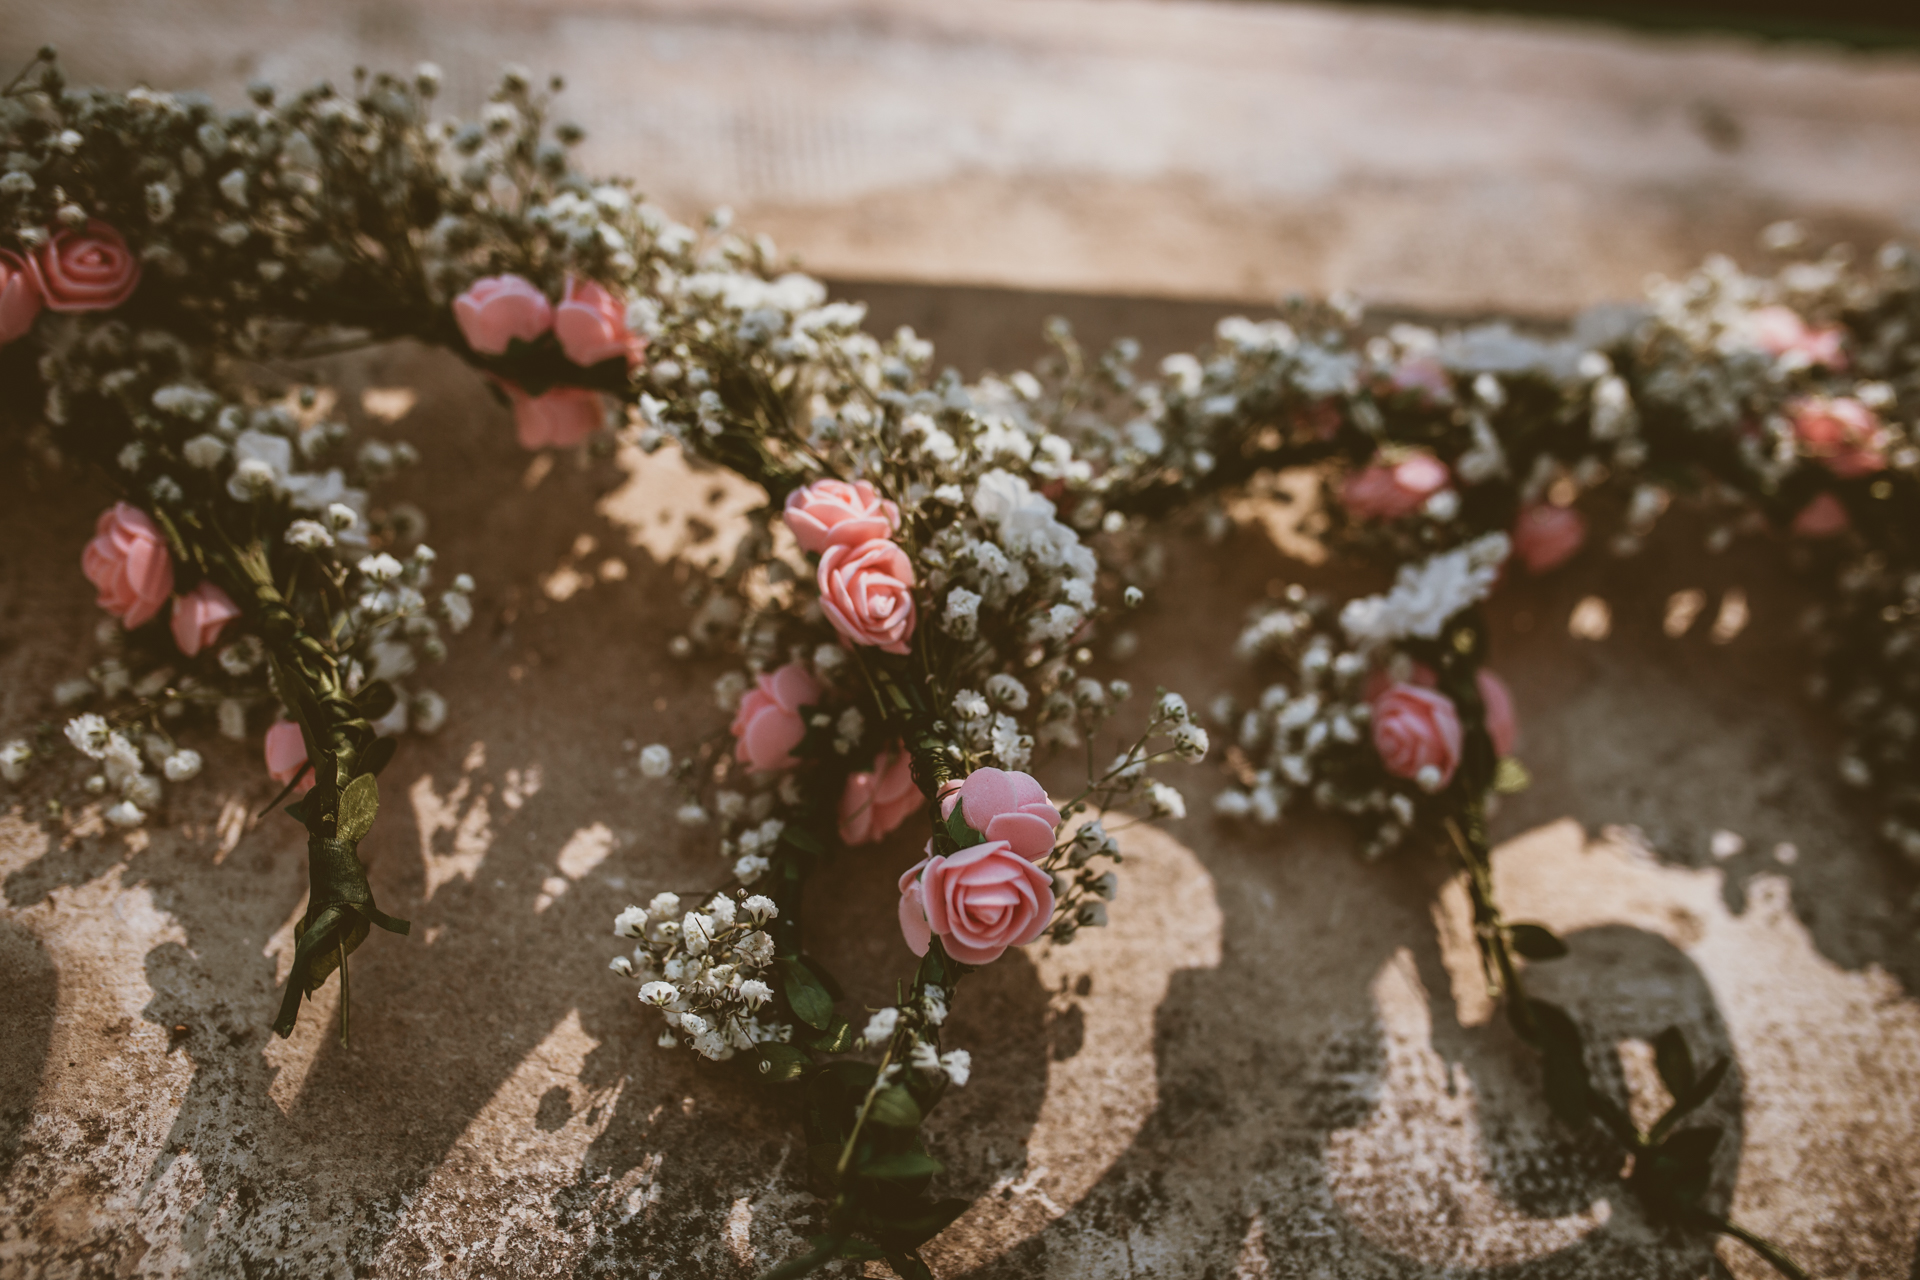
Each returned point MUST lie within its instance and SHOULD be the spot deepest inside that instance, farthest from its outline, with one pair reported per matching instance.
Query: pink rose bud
(832, 512)
(768, 725)
(980, 901)
(1383, 492)
(877, 802)
(1824, 517)
(199, 616)
(867, 593)
(498, 309)
(1502, 725)
(591, 324)
(1780, 331)
(1416, 729)
(19, 297)
(1841, 432)
(560, 419)
(128, 564)
(1546, 536)
(90, 270)
(286, 753)
(1007, 806)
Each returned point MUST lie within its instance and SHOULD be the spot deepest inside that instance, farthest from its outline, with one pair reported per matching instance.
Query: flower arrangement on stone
(911, 616)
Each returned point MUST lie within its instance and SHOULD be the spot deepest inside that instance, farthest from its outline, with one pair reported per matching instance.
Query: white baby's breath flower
(880, 1026)
(658, 994)
(630, 922)
(749, 868)
(309, 535)
(125, 814)
(182, 765)
(958, 1064)
(1165, 801)
(14, 759)
(656, 761)
(89, 735)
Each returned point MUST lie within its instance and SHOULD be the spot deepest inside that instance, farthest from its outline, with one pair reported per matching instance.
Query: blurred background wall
(1447, 160)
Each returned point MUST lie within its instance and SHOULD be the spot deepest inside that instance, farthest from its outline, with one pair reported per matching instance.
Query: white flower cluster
(707, 970)
(124, 773)
(1426, 596)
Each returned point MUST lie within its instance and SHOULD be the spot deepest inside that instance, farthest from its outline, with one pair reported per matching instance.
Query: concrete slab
(1276, 1063)
(1133, 146)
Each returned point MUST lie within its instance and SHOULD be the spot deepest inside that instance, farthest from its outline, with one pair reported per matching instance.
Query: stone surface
(1277, 1062)
(1131, 146)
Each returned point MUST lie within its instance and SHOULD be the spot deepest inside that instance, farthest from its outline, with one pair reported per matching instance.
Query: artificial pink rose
(867, 593)
(1388, 492)
(1003, 805)
(1546, 536)
(560, 419)
(832, 512)
(591, 324)
(19, 297)
(1841, 432)
(286, 753)
(1780, 331)
(1824, 517)
(875, 803)
(980, 901)
(90, 270)
(200, 615)
(768, 725)
(1502, 725)
(498, 309)
(128, 564)
(1413, 728)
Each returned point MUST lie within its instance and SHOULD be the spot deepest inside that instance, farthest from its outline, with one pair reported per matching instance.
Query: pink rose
(19, 297)
(876, 803)
(560, 419)
(1006, 806)
(128, 564)
(498, 309)
(1780, 331)
(832, 512)
(91, 270)
(1414, 729)
(286, 753)
(1546, 536)
(1502, 725)
(199, 616)
(1841, 432)
(867, 593)
(980, 901)
(591, 324)
(1824, 517)
(1388, 492)
(768, 725)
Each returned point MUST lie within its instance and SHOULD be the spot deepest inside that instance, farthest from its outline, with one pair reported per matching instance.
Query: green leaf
(805, 993)
(298, 811)
(902, 1165)
(1692, 1098)
(861, 1250)
(379, 755)
(1564, 1063)
(376, 700)
(1674, 1061)
(802, 839)
(1674, 1176)
(837, 1038)
(964, 836)
(1536, 941)
(825, 1156)
(894, 1107)
(1510, 776)
(780, 1062)
(911, 1230)
(359, 804)
(1618, 1122)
